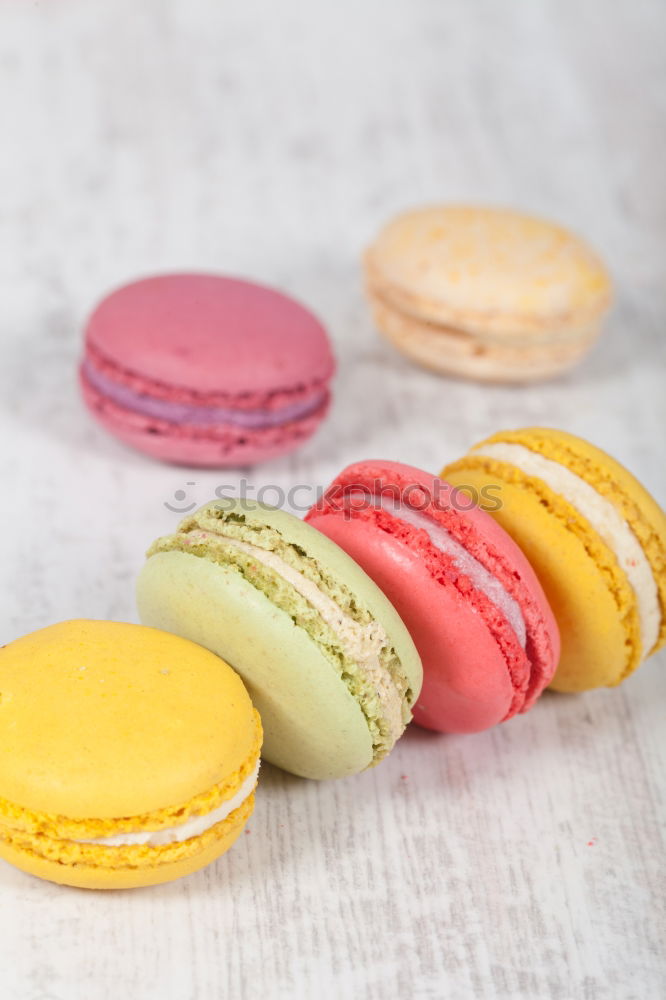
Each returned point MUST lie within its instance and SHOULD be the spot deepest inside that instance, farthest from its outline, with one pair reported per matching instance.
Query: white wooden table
(271, 140)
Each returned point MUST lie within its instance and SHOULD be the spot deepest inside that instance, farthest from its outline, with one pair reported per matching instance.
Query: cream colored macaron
(486, 293)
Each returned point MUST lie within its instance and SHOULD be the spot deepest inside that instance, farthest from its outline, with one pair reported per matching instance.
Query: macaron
(326, 659)
(595, 537)
(486, 293)
(206, 370)
(476, 612)
(128, 756)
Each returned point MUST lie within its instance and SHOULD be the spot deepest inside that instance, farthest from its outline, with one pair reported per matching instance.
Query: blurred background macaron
(129, 756)
(486, 293)
(475, 610)
(595, 537)
(327, 661)
(206, 370)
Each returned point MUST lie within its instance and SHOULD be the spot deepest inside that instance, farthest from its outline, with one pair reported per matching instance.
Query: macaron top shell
(107, 720)
(212, 336)
(488, 270)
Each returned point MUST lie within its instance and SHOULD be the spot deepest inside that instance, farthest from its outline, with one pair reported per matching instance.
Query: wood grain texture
(272, 140)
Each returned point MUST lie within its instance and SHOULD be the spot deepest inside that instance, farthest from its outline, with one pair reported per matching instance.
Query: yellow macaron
(128, 756)
(486, 293)
(595, 537)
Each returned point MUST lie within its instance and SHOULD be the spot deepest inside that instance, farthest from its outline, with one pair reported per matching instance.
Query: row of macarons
(130, 753)
(212, 370)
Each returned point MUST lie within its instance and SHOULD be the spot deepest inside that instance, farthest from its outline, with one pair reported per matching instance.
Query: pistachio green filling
(284, 596)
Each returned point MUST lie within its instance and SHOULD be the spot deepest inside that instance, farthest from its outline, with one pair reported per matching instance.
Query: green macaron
(327, 661)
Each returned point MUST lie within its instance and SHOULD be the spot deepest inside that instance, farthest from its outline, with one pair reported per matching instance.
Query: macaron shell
(594, 638)
(312, 724)
(449, 351)
(486, 269)
(209, 333)
(94, 877)
(466, 685)
(107, 720)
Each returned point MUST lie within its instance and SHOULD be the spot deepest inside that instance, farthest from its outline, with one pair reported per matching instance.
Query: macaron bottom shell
(101, 869)
(463, 354)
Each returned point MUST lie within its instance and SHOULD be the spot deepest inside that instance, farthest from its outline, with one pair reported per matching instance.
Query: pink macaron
(475, 609)
(206, 370)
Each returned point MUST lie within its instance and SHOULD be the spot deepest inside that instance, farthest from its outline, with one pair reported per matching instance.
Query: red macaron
(475, 609)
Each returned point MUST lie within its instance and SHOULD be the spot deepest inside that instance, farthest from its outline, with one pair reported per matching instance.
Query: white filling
(603, 516)
(192, 827)
(362, 643)
(482, 578)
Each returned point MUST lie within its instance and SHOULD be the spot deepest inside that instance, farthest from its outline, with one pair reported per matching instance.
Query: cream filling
(482, 578)
(192, 827)
(361, 643)
(604, 517)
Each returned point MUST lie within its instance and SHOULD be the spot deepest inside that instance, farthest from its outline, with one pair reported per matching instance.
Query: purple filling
(186, 413)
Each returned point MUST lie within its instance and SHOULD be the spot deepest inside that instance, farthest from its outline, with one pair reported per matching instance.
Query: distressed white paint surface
(271, 140)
